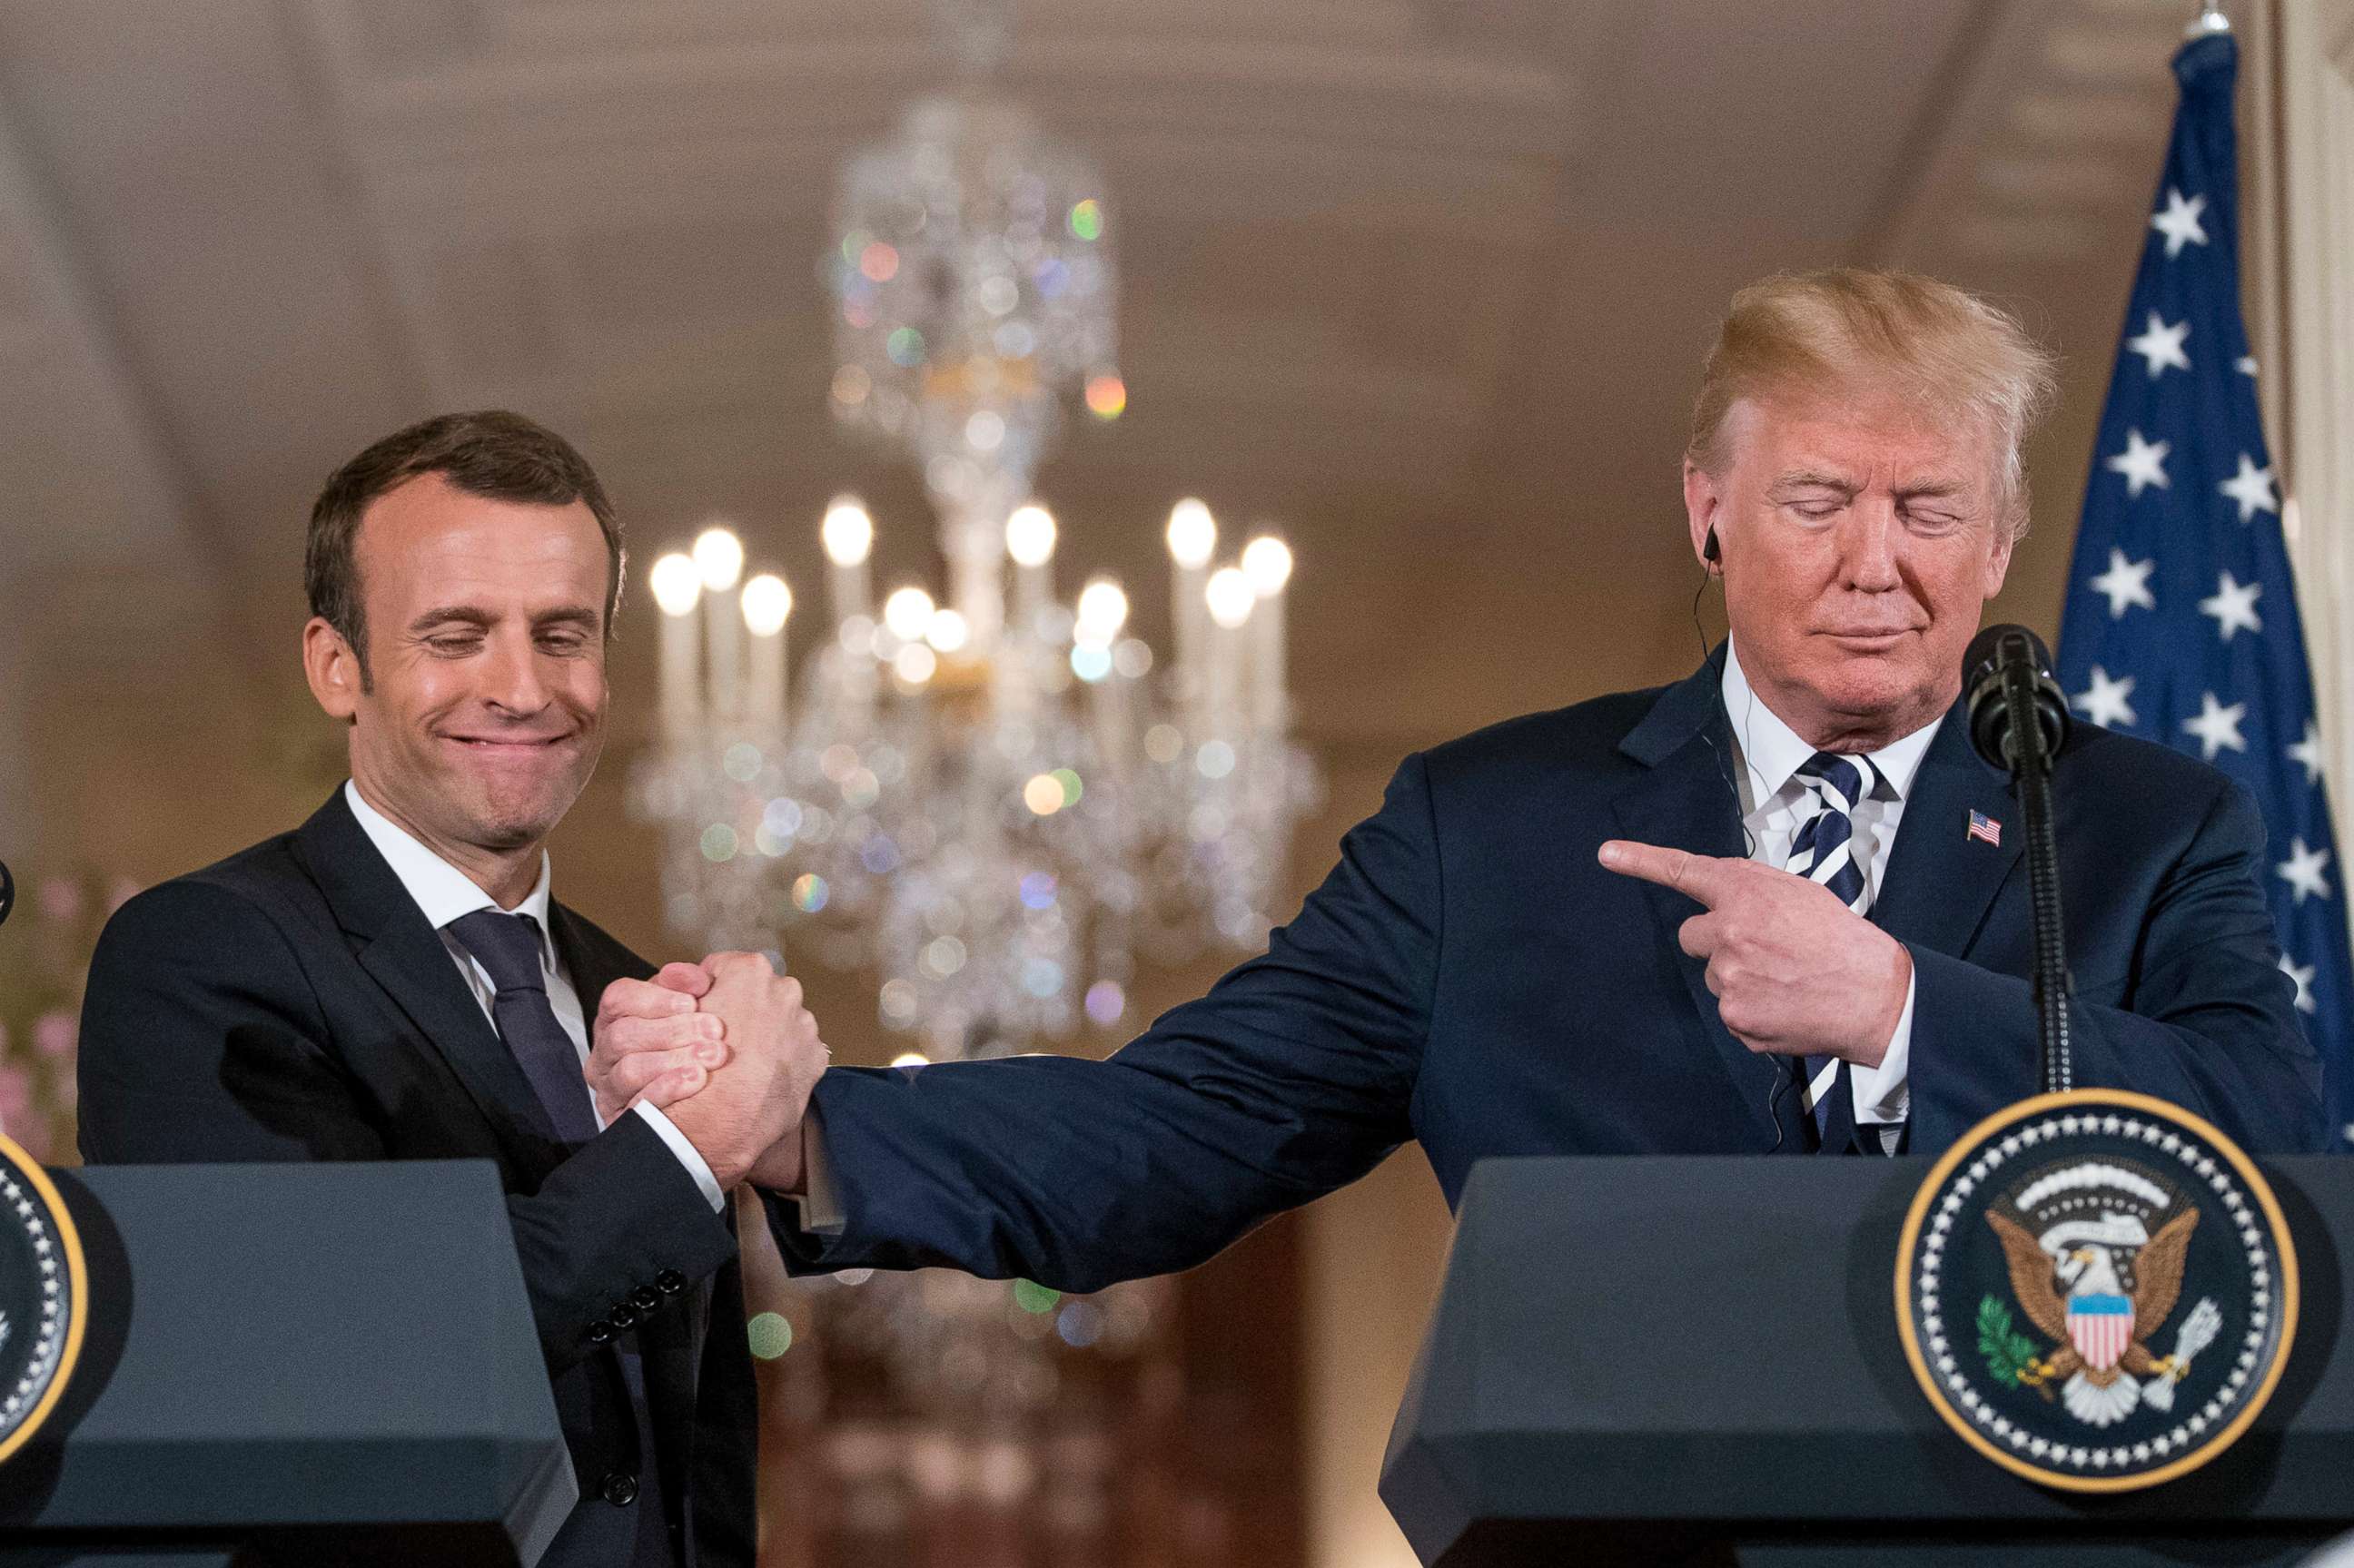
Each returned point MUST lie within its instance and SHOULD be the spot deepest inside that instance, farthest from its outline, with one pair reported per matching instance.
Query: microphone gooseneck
(8, 893)
(2018, 721)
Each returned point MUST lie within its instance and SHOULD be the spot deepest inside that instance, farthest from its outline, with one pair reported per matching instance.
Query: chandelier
(997, 800)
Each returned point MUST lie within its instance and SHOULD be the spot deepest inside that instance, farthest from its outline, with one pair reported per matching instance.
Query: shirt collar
(442, 891)
(1771, 750)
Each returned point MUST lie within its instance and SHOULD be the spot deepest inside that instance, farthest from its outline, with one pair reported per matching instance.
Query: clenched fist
(648, 1042)
(742, 1112)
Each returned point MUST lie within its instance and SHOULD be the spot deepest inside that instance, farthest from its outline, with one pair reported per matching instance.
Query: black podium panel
(1643, 1360)
(314, 1363)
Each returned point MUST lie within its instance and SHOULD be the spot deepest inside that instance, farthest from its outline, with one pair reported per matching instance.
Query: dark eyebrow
(581, 615)
(444, 614)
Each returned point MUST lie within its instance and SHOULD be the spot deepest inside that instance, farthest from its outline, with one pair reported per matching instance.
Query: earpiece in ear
(1709, 549)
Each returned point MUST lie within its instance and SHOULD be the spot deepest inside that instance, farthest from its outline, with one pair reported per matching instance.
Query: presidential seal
(2096, 1290)
(44, 1297)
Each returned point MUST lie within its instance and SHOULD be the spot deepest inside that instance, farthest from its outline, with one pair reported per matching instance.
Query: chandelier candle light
(998, 829)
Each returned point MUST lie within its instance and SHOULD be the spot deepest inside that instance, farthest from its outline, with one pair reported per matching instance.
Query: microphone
(1992, 654)
(2018, 720)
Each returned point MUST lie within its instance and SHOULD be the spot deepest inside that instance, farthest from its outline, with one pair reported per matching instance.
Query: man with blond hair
(1767, 909)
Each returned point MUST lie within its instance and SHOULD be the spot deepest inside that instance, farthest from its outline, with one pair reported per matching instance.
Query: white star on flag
(2104, 701)
(2308, 752)
(2179, 222)
(2302, 975)
(2126, 583)
(2245, 365)
(2161, 346)
(2142, 463)
(2234, 606)
(2302, 870)
(2251, 487)
(2216, 727)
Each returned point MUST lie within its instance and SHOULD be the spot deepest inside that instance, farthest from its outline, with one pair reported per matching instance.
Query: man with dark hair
(493, 454)
(392, 981)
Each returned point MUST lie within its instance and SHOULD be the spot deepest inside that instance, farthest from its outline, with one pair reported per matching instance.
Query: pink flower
(60, 899)
(55, 1035)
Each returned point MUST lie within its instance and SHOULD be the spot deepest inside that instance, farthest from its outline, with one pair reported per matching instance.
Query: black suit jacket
(1469, 976)
(293, 1004)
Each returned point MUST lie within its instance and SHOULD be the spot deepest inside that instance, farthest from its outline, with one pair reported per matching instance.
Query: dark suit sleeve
(203, 1041)
(1291, 1078)
(2211, 1022)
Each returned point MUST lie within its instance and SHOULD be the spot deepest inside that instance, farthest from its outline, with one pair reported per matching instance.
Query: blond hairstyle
(1849, 327)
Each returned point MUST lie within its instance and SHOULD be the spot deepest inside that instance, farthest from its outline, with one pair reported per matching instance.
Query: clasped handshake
(726, 1050)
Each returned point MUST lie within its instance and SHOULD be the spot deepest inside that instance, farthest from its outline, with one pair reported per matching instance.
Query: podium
(1696, 1361)
(313, 1364)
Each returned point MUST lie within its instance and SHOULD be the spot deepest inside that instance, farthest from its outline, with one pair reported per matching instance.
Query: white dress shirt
(1776, 803)
(446, 893)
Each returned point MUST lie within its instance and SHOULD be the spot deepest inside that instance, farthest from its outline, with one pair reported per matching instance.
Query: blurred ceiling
(1425, 281)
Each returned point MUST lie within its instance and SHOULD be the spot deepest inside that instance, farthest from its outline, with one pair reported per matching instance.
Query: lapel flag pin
(1984, 827)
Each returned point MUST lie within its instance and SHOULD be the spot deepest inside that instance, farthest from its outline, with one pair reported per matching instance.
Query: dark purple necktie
(507, 947)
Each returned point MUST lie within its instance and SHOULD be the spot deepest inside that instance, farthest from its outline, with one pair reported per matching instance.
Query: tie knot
(1847, 778)
(506, 946)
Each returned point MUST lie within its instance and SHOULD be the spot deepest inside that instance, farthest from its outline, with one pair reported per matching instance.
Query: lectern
(315, 1364)
(1697, 1361)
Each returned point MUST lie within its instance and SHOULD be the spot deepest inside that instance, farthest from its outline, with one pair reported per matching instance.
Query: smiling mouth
(515, 743)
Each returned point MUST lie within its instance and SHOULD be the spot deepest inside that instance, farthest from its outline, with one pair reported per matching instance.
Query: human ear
(331, 668)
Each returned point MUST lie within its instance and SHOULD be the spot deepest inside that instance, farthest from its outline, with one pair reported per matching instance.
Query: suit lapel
(390, 935)
(1941, 882)
(1689, 801)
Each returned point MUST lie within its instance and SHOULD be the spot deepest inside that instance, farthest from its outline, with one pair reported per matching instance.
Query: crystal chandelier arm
(1292, 1076)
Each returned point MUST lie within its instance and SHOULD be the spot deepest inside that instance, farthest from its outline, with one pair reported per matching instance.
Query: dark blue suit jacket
(293, 1004)
(1469, 976)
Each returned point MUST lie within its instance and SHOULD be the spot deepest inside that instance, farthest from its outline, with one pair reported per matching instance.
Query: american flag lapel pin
(1985, 828)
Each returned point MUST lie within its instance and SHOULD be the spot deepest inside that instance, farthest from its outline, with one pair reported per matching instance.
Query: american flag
(1984, 827)
(2182, 622)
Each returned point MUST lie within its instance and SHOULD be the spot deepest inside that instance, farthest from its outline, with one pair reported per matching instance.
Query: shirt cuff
(819, 1201)
(697, 1166)
(1883, 1095)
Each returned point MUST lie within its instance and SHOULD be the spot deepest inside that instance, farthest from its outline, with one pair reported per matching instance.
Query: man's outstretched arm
(1292, 1076)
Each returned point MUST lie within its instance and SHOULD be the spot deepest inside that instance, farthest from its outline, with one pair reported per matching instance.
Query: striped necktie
(1823, 851)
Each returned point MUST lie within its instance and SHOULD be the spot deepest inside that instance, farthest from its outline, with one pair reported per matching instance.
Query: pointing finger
(1698, 876)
